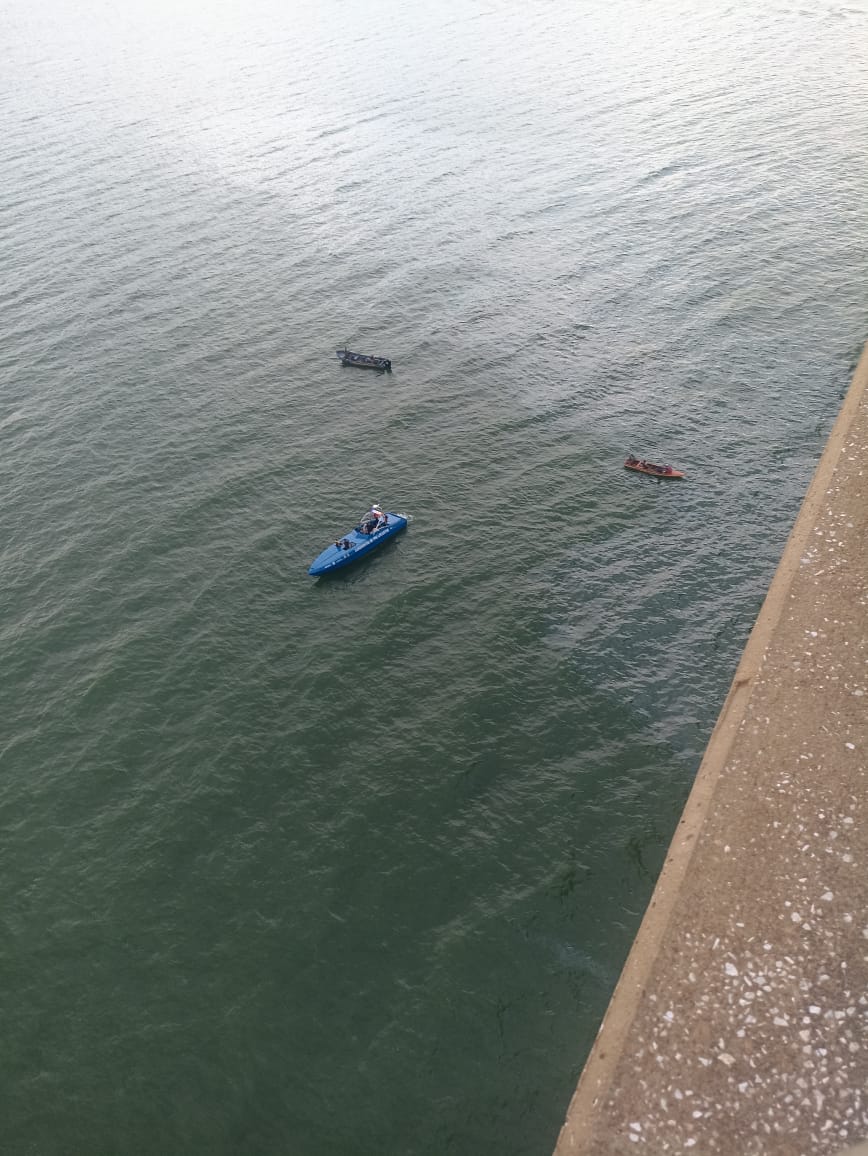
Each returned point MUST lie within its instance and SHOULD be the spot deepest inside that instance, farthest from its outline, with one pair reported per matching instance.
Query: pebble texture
(740, 1023)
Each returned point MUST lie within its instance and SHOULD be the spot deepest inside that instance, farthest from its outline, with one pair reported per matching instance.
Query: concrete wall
(740, 1023)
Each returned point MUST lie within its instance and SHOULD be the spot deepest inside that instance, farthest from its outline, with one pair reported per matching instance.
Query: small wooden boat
(376, 527)
(643, 467)
(363, 360)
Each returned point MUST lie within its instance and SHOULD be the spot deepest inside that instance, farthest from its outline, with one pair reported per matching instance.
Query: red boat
(643, 467)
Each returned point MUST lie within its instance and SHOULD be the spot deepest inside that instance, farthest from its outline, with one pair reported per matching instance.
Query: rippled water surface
(351, 866)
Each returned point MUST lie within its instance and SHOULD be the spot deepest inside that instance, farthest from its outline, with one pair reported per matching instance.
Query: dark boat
(364, 360)
(643, 467)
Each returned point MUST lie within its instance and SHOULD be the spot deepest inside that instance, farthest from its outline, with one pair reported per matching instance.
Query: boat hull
(364, 360)
(659, 472)
(336, 557)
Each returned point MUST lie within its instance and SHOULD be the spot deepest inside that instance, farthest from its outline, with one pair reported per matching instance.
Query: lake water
(350, 866)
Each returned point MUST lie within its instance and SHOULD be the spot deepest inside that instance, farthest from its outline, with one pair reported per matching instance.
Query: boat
(376, 527)
(643, 467)
(363, 360)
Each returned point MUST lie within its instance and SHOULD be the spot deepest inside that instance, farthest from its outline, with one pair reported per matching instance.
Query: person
(372, 520)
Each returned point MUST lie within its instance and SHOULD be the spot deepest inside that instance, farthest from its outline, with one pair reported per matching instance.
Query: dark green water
(351, 866)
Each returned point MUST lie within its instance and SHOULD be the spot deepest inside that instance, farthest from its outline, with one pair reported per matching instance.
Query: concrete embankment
(740, 1023)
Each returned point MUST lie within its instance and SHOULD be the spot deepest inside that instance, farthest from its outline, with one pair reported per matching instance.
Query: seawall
(740, 1022)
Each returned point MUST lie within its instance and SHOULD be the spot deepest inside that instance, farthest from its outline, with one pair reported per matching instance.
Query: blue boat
(376, 527)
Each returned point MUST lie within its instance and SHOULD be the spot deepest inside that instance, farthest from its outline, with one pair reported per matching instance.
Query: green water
(351, 866)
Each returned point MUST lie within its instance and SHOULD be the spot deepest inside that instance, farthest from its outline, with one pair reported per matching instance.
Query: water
(351, 866)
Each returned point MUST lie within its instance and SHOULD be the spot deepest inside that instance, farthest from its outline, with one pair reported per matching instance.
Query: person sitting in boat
(631, 461)
(374, 519)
